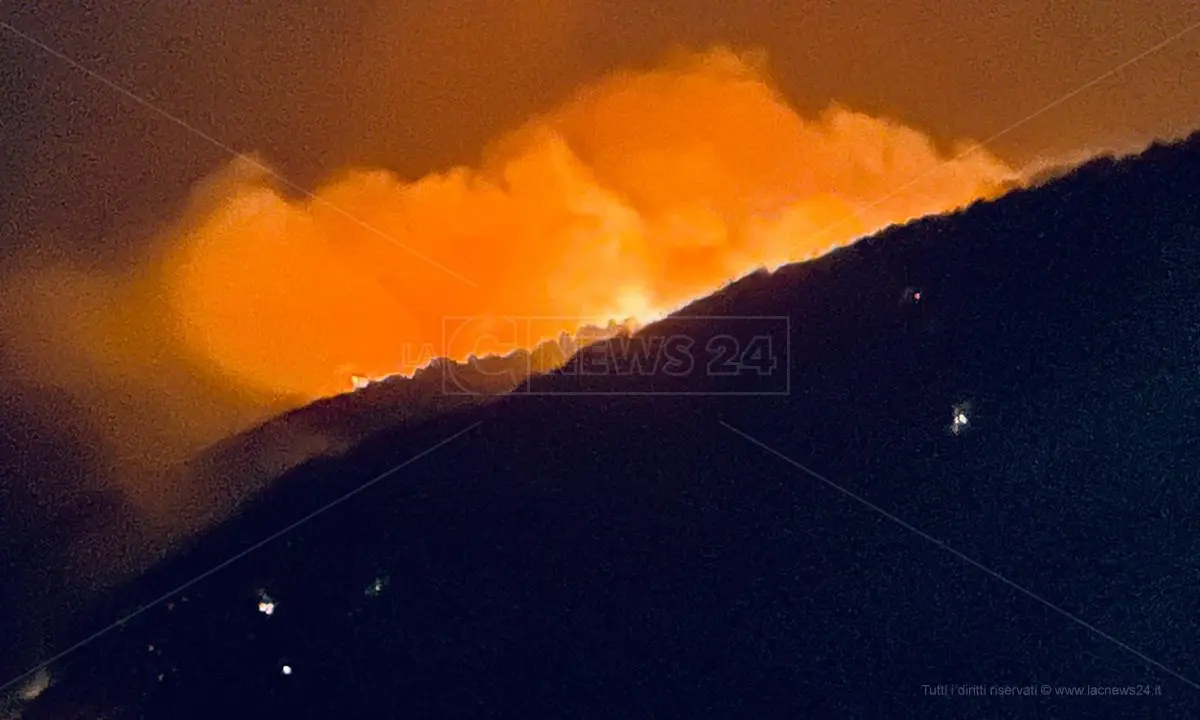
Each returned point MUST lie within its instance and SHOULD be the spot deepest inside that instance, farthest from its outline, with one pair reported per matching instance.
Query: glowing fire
(642, 192)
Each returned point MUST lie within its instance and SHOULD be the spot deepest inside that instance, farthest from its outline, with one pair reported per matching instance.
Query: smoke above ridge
(638, 193)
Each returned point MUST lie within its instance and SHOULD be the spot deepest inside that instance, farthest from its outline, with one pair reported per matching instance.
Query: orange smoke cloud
(639, 193)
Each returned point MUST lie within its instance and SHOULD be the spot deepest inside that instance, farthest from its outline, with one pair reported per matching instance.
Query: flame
(639, 193)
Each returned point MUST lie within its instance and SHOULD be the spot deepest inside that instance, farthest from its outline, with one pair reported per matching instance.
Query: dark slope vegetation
(238, 467)
(608, 554)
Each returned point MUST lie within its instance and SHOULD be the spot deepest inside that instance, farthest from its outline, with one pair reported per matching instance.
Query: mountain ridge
(626, 552)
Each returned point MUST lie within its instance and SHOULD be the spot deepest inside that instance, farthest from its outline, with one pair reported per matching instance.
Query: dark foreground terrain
(649, 542)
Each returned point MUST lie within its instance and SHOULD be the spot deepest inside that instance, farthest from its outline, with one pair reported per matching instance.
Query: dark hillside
(605, 545)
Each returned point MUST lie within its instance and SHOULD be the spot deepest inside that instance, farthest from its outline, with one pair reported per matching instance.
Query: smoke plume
(638, 193)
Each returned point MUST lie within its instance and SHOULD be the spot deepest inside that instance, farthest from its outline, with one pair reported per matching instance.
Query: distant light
(287, 669)
(376, 586)
(360, 381)
(266, 603)
(959, 419)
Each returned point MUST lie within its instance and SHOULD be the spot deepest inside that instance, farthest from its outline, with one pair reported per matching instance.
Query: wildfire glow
(639, 193)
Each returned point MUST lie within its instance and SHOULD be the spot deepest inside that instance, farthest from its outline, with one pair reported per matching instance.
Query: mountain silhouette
(960, 453)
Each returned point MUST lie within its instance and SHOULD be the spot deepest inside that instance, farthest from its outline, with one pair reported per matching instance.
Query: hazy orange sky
(479, 134)
(423, 85)
(536, 149)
